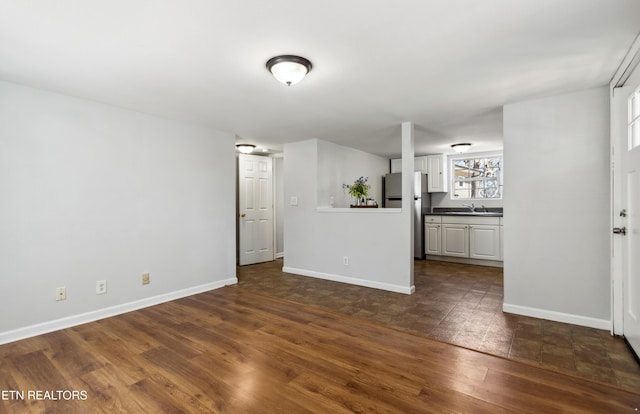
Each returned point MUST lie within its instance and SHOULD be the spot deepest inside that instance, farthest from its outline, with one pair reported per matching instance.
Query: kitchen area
(445, 227)
(330, 235)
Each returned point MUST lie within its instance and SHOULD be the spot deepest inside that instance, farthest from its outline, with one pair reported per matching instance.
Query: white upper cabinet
(419, 164)
(437, 172)
(396, 165)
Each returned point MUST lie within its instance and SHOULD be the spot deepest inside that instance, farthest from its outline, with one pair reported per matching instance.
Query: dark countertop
(453, 211)
(463, 213)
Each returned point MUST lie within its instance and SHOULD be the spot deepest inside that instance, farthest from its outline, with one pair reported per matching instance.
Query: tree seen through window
(477, 178)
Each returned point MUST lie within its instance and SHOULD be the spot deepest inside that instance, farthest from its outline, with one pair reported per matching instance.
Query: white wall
(556, 223)
(91, 192)
(340, 165)
(316, 240)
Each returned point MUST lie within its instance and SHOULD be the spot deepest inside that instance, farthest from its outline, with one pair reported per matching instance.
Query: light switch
(293, 201)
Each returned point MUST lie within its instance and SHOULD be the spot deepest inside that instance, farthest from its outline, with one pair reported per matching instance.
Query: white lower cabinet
(432, 235)
(432, 238)
(455, 240)
(464, 237)
(484, 242)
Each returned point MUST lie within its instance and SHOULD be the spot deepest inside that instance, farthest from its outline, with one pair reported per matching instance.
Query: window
(476, 178)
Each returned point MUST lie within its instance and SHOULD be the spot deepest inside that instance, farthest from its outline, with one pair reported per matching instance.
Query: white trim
(558, 316)
(274, 216)
(627, 65)
(74, 320)
(351, 280)
(483, 154)
(466, 260)
(279, 255)
(615, 243)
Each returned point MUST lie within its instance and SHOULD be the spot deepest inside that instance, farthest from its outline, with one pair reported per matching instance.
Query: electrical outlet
(101, 287)
(345, 260)
(146, 278)
(61, 293)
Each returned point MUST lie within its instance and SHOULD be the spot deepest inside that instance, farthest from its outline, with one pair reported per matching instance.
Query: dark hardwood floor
(462, 305)
(233, 350)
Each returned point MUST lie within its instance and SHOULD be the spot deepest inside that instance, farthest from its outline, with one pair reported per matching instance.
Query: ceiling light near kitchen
(289, 69)
(460, 148)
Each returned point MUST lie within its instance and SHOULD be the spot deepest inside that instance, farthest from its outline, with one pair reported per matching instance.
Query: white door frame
(277, 191)
(615, 242)
(617, 294)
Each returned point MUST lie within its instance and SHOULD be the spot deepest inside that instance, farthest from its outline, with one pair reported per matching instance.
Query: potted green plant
(359, 190)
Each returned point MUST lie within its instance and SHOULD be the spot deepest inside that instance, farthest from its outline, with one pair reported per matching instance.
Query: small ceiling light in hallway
(245, 148)
(289, 69)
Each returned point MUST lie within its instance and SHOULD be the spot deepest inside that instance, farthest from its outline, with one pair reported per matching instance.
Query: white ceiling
(446, 65)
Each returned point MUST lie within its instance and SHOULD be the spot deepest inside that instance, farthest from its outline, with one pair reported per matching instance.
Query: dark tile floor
(461, 305)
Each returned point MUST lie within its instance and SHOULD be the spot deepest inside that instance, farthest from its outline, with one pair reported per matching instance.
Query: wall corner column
(407, 133)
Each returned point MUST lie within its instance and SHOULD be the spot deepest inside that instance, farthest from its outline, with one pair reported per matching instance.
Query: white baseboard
(558, 316)
(279, 255)
(464, 260)
(74, 320)
(350, 280)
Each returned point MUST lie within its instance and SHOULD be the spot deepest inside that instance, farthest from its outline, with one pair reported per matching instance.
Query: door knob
(620, 230)
(243, 215)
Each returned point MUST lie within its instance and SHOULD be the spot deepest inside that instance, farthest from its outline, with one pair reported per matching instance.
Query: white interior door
(255, 202)
(626, 105)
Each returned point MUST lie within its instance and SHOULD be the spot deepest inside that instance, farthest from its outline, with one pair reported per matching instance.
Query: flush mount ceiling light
(245, 148)
(289, 69)
(460, 148)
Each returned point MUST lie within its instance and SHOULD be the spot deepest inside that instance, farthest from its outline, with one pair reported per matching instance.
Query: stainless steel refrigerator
(421, 201)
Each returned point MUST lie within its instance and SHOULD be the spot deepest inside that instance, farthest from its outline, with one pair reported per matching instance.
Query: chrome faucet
(471, 207)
